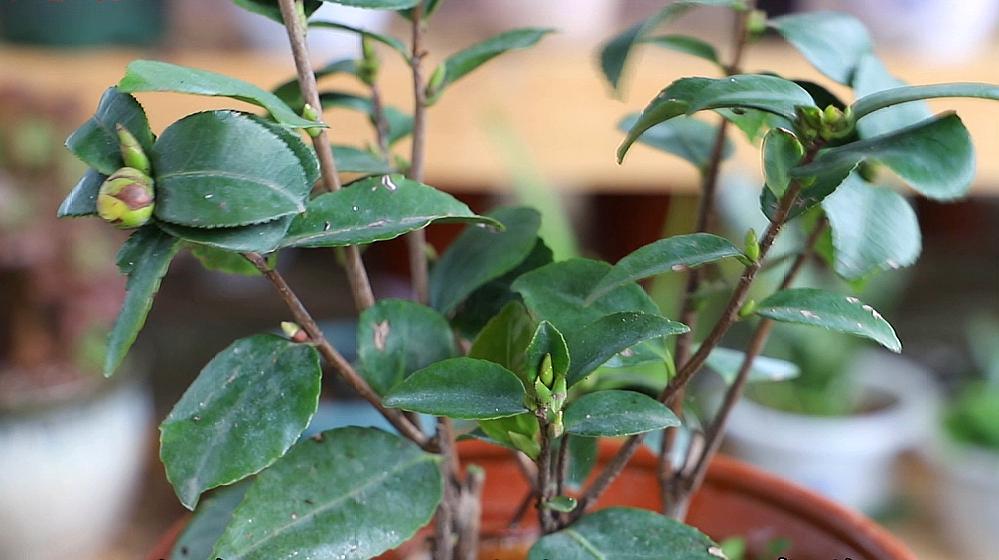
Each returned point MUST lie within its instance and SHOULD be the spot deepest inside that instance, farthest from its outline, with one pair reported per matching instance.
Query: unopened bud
(546, 373)
(756, 24)
(433, 91)
(309, 112)
(747, 308)
(808, 122)
(294, 332)
(836, 124)
(131, 151)
(367, 67)
(752, 246)
(542, 394)
(126, 198)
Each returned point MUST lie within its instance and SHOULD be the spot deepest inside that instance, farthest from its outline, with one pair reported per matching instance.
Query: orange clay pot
(737, 500)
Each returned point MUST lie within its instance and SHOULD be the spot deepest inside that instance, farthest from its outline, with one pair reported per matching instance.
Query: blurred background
(78, 453)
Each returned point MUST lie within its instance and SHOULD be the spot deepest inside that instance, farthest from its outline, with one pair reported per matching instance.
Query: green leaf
(144, 258)
(460, 388)
(293, 139)
(461, 63)
(781, 152)
(480, 255)
(429, 7)
(546, 340)
(617, 413)
(291, 93)
(614, 53)
(834, 42)
(96, 142)
(625, 534)
(808, 306)
(244, 411)
(810, 196)
(687, 45)
(895, 96)
(355, 160)
(152, 75)
(677, 253)
(873, 228)
(673, 101)
(377, 4)
(505, 338)
(727, 362)
(349, 494)
(596, 343)
(753, 91)
(397, 337)
(209, 165)
(208, 523)
(564, 504)
(223, 261)
(582, 458)
(935, 157)
(518, 432)
(686, 137)
(271, 9)
(375, 209)
(872, 77)
(257, 238)
(392, 42)
(82, 199)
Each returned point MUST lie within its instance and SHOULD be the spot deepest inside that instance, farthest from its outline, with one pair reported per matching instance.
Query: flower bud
(126, 198)
(309, 112)
(808, 122)
(546, 373)
(836, 124)
(294, 332)
(752, 246)
(131, 151)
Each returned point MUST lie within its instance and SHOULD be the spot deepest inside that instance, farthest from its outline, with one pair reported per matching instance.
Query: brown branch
(562, 465)
(332, 356)
(470, 514)
(445, 519)
(357, 275)
(545, 482)
(417, 240)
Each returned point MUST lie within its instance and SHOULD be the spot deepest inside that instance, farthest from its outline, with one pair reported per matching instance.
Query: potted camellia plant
(502, 347)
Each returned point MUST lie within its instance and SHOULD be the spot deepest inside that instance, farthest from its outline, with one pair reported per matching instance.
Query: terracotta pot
(736, 500)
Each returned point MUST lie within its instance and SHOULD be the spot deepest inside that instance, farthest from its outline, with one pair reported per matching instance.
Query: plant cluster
(502, 344)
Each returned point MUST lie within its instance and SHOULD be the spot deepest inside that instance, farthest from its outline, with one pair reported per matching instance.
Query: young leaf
(270, 8)
(350, 493)
(209, 165)
(257, 238)
(873, 228)
(208, 523)
(244, 411)
(895, 96)
(824, 185)
(377, 4)
(152, 75)
(781, 152)
(460, 388)
(505, 338)
(96, 141)
(620, 533)
(82, 199)
(223, 261)
(461, 63)
(677, 253)
(144, 258)
(687, 45)
(547, 340)
(480, 255)
(397, 337)
(872, 77)
(935, 157)
(686, 137)
(833, 42)
(375, 209)
(596, 343)
(392, 42)
(617, 413)
(726, 363)
(808, 306)
(355, 160)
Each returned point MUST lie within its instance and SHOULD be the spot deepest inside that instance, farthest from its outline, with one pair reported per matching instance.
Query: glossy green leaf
(518, 432)
(547, 340)
(460, 388)
(834, 42)
(895, 96)
(480, 255)
(625, 534)
(808, 306)
(687, 45)
(291, 93)
(582, 458)
(355, 160)
(596, 343)
(96, 141)
(153, 75)
(258, 238)
(873, 228)
(390, 41)
(677, 253)
(225, 169)
(207, 524)
(244, 411)
(809, 197)
(727, 362)
(935, 157)
(505, 338)
(144, 258)
(617, 413)
(397, 337)
(753, 91)
(82, 199)
(377, 4)
(781, 152)
(347, 494)
(686, 137)
(461, 63)
(223, 261)
(293, 139)
(872, 77)
(375, 209)
(270, 8)
(673, 101)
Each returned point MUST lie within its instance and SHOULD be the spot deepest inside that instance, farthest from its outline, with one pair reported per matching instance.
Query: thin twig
(545, 483)
(357, 275)
(417, 240)
(521, 510)
(470, 514)
(445, 520)
(331, 355)
(562, 465)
